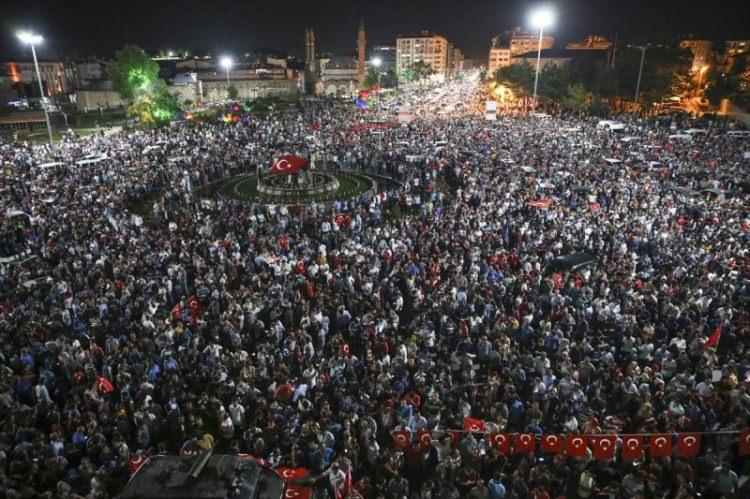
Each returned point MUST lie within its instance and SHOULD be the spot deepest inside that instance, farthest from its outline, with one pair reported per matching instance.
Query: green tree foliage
(371, 77)
(232, 92)
(552, 83)
(519, 77)
(577, 98)
(132, 72)
(136, 78)
(415, 71)
(722, 86)
(666, 71)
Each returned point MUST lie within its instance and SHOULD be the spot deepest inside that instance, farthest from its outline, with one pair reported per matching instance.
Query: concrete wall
(93, 99)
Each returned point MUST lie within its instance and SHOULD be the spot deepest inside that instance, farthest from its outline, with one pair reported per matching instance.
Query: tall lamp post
(226, 63)
(33, 40)
(377, 61)
(541, 18)
(643, 49)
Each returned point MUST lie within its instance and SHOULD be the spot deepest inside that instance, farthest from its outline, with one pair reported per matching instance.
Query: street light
(33, 40)
(226, 63)
(377, 62)
(643, 49)
(541, 18)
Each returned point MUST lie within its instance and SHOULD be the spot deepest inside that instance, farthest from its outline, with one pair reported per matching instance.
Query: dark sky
(100, 27)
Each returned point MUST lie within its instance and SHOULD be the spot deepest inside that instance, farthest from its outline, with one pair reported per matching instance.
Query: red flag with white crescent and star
(632, 447)
(552, 443)
(604, 447)
(744, 443)
(660, 445)
(523, 442)
(136, 462)
(473, 424)
(424, 438)
(288, 164)
(576, 445)
(291, 474)
(401, 439)
(297, 492)
(688, 444)
(501, 441)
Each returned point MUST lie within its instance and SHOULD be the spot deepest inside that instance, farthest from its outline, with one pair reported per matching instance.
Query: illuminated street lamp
(33, 40)
(541, 19)
(226, 63)
(377, 62)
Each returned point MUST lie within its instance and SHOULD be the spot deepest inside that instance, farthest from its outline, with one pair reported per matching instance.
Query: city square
(396, 266)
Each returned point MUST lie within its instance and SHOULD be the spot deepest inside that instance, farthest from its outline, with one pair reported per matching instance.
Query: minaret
(310, 52)
(309, 61)
(361, 43)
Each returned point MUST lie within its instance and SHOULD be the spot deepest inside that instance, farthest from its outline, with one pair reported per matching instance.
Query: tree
(666, 70)
(552, 83)
(371, 77)
(577, 98)
(519, 77)
(136, 78)
(132, 71)
(722, 86)
(232, 92)
(415, 71)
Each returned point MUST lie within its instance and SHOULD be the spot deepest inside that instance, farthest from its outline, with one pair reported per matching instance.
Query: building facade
(513, 42)
(593, 42)
(387, 56)
(701, 50)
(58, 78)
(431, 49)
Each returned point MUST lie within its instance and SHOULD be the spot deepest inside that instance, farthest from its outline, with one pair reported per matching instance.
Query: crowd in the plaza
(139, 317)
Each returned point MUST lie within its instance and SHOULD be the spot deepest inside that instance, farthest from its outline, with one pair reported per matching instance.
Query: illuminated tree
(414, 72)
(577, 98)
(232, 92)
(519, 77)
(136, 78)
(132, 72)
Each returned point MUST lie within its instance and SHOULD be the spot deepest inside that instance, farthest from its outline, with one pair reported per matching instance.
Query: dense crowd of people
(139, 317)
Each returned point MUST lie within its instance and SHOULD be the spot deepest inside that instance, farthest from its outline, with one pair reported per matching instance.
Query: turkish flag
(744, 443)
(473, 424)
(604, 447)
(104, 384)
(688, 444)
(297, 492)
(576, 445)
(288, 164)
(424, 437)
(291, 474)
(136, 462)
(523, 442)
(401, 439)
(632, 447)
(194, 306)
(541, 203)
(660, 445)
(552, 443)
(714, 339)
(501, 441)
(176, 311)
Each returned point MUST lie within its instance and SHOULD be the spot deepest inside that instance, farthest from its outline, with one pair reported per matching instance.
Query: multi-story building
(736, 48)
(431, 49)
(58, 78)
(513, 42)
(593, 42)
(558, 57)
(457, 60)
(387, 56)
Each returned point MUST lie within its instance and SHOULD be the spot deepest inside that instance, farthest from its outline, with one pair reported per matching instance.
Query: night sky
(100, 27)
